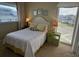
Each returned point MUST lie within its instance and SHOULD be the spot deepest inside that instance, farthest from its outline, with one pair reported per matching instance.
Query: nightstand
(53, 38)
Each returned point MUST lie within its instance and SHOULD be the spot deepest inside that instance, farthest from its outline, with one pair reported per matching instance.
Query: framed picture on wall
(45, 12)
(39, 11)
(34, 12)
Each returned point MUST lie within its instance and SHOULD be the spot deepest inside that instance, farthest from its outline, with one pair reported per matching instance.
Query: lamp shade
(27, 19)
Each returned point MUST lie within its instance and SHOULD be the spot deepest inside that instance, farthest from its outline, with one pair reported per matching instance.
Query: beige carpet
(52, 51)
(46, 50)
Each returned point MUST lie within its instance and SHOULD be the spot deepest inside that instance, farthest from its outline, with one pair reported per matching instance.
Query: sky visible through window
(8, 13)
(7, 7)
(68, 11)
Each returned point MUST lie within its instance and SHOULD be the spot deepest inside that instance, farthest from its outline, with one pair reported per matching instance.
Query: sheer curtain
(21, 14)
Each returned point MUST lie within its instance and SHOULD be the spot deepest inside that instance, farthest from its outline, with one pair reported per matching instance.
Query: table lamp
(27, 21)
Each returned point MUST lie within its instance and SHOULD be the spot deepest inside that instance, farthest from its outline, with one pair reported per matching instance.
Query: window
(8, 13)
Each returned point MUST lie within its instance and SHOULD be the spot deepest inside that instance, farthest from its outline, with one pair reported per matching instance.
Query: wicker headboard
(40, 20)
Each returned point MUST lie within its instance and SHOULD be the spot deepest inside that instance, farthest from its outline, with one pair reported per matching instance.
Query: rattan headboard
(40, 20)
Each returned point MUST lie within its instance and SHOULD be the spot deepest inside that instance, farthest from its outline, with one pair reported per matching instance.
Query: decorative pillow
(33, 27)
(40, 27)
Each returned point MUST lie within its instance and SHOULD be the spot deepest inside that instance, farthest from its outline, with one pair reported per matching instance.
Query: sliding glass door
(67, 18)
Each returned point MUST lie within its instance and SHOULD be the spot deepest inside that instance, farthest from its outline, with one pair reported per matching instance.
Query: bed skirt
(14, 49)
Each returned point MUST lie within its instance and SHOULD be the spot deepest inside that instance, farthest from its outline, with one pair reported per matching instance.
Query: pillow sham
(40, 27)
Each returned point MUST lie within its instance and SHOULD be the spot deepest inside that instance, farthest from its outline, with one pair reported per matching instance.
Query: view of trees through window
(67, 15)
(8, 13)
(67, 18)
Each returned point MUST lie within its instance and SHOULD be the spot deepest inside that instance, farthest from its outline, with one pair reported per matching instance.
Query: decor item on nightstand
(53, 38)
(54, 24)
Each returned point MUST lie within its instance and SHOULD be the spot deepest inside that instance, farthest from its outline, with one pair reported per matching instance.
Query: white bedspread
(27, 40)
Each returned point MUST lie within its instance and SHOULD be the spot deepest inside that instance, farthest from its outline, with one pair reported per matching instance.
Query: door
(66, 20)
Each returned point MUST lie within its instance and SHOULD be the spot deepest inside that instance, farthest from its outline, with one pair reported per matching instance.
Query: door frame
(74, 32)
(75, 36)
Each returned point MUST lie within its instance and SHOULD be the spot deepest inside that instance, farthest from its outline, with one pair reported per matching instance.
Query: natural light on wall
(8, 13)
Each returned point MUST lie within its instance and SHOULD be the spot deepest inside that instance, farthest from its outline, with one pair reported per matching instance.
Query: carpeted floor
(46, 50)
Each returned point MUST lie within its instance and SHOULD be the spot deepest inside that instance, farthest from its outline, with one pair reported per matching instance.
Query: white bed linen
(27, 40)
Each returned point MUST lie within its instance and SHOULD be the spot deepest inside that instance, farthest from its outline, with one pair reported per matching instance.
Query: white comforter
(27, 40)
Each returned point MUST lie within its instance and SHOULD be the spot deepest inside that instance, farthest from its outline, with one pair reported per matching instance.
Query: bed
(26, 40)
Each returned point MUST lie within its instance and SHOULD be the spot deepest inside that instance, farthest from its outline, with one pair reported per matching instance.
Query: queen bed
(27, 41)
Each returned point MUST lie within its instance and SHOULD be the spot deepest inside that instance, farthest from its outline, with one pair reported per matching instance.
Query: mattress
(28, 41)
